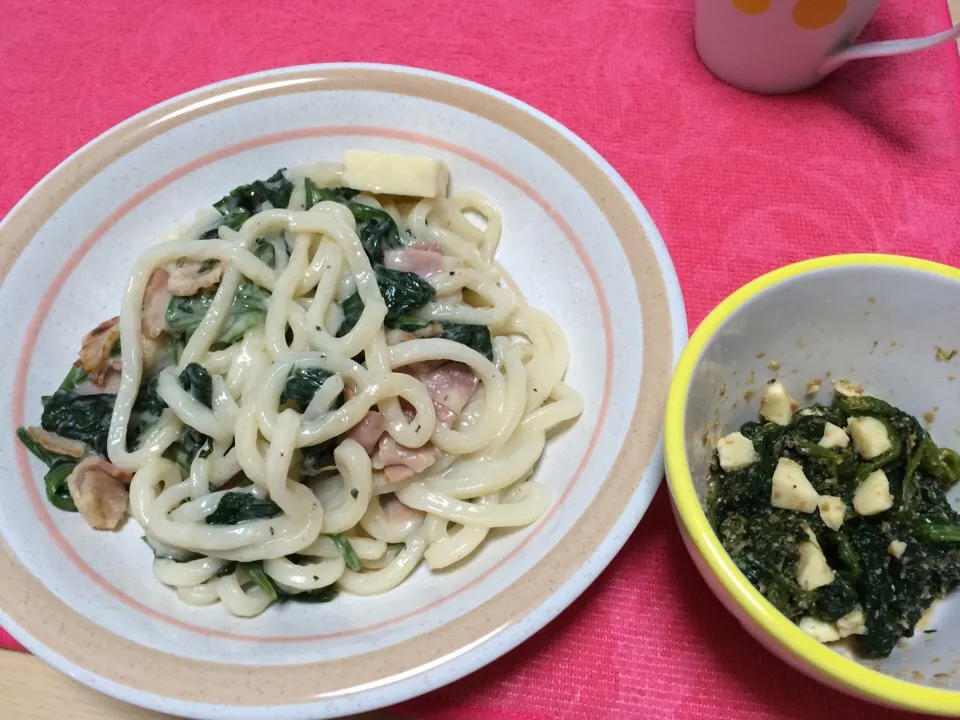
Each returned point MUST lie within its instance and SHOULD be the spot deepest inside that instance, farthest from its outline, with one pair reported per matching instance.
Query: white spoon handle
(888, 47)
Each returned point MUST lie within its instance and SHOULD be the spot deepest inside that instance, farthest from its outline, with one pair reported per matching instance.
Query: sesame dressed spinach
(869, 579)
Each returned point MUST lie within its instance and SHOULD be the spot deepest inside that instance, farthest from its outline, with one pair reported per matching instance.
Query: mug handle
(888, 47)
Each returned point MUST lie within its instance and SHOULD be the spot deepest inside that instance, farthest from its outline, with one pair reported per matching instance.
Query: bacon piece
(153, 351)
(433, 330)
(421, 262)
(423, 258)
(99, 493)
(96, 347)
(56, 444)
(452, 385)
(156, 297)
(191, 276)
(397, 474)
(367, 432)
(397, 513)
(445, 416)
(395, 337)
(425, 246)
(399, 462)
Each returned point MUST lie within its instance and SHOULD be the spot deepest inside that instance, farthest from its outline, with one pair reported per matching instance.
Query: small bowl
(877, 320)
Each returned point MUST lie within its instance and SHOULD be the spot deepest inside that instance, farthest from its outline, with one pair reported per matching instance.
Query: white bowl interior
(877, 325)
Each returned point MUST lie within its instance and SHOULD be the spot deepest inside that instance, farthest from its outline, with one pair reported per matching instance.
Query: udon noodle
(315, 395)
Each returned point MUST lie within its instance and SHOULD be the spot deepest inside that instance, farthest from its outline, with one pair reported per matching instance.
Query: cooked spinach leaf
(195, 444)
(162, 551)
(195, 379)
(476, 337)
(410, 323)
(74, 378)
(246, 200)
(350, 556)
(320, 595)
(264, 250)
(274, 592)
(302, 384)
(227, 569)
(80, 417)
(45, 456)
(377, 230)
(315, 194)
(177, 453)
(403, 292)
(147, 409)
(314, 459)
(55, 485)
(55, 479)
(352, 309)
(238, 507)
(249, 308)
(256, 573)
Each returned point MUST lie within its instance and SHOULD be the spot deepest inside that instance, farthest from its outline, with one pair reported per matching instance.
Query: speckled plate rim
(149, 678)
(834, 667)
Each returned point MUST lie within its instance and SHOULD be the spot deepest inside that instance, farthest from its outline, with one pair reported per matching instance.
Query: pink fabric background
(738, 185)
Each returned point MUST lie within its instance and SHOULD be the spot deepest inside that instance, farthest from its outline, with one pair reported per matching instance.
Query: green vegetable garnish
(891, 592)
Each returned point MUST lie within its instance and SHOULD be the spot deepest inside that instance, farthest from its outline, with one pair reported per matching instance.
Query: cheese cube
(736, 451)
(834, 437)
(819, 630)
(776, 405)
(853, 623)
(832, 510)
(847, 389)
(873, 496)
(790, 489)
(378, 172)
(896, 548)
(812, 568)
(869, 437)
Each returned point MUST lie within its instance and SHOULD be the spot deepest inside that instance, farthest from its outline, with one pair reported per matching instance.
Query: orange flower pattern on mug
(807, 14)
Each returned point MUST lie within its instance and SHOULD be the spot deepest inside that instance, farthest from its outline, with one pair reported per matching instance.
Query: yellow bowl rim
(845, 672)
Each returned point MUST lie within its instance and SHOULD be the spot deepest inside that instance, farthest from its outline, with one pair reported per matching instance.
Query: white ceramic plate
(576, 241)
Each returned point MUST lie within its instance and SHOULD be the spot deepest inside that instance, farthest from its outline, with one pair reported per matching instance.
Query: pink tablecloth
(737, 184)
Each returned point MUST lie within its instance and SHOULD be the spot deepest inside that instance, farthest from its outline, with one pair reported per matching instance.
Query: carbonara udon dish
(318, 384)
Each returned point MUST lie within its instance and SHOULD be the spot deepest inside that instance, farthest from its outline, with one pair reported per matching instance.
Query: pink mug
(781, 46)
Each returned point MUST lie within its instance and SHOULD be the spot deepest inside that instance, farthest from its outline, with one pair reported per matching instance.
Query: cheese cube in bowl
(810, 349)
